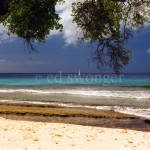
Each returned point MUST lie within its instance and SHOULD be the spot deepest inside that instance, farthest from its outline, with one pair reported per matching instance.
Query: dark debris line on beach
(90, 117)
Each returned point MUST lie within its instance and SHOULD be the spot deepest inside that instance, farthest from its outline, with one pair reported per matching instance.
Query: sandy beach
(29, 135)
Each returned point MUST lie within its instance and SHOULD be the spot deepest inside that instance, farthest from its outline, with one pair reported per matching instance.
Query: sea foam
(81, 92)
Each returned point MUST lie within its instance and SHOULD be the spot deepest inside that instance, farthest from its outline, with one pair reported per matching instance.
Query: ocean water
(73, 79)
(126, 93)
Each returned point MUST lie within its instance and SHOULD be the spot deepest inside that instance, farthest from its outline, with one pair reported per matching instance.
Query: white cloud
(69, 28)
(148, 51)
(4, 37)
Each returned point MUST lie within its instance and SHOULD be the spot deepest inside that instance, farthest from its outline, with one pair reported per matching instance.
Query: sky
(63, 52)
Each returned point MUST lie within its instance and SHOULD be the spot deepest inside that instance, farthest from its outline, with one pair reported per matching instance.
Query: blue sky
(61, 52)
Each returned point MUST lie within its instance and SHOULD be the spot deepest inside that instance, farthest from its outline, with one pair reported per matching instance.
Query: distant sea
(126, 93)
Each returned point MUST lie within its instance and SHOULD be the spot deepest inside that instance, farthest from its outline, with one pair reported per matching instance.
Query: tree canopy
(110, 23)
(30, 19)
(107, 23)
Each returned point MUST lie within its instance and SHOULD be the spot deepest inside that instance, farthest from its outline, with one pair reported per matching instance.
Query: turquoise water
(71, 79)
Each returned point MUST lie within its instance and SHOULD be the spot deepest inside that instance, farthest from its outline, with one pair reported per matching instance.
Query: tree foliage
(31, 19)
(107, 23)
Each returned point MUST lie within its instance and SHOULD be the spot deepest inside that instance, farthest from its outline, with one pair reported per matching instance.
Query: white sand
(27, 135)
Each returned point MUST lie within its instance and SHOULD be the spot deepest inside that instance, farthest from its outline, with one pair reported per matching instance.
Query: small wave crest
(81, 92)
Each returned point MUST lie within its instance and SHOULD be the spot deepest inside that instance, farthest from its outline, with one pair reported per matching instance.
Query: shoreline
(78, 116)
(41, 127)
(143, 112)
